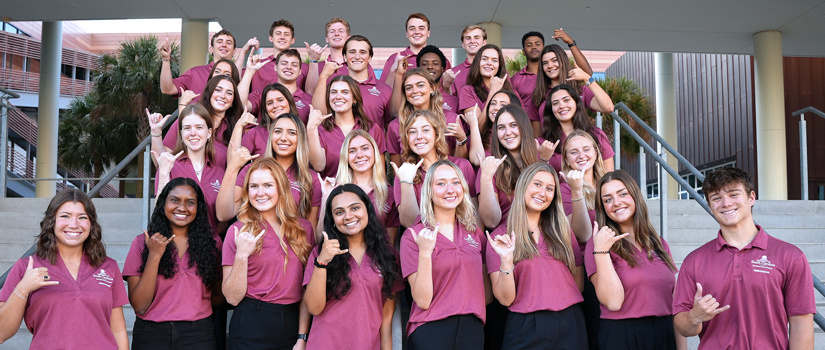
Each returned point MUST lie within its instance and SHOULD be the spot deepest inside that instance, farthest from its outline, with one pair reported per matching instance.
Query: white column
(771, 155)
(194, 46)
(666, 112)
(47, 108)
(493, 32)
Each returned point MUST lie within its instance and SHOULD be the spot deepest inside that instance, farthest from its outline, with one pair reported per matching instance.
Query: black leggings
(459, 332)
(257, 324)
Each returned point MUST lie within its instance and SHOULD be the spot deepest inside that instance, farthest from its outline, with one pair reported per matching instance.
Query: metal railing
(661, 159)
(803, 145)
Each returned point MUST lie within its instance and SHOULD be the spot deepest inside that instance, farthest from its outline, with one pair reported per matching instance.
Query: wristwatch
(591, 80)
(303, 336)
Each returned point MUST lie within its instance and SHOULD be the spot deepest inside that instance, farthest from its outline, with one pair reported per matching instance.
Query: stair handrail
(803, 146)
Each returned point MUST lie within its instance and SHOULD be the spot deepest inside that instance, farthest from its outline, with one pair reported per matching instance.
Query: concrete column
(666, 112)
(47, 108)
(771, 155)
(493, 32)
(459, 55)
(194, 43)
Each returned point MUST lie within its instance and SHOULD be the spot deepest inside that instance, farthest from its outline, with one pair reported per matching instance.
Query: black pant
(497, 315)
(173, 335)
(459, 332)
(592, 313)
(546, 330)
(646, 333)
(257, 324)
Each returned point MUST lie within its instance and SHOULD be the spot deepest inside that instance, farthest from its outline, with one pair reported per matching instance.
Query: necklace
(198, 171)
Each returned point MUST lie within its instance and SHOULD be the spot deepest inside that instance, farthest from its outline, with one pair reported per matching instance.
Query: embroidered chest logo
(471, 241)
(762, 265)
(386, 208)
(103, 278)
(447, 107)
(295, 185)
(216, 185)
(299, 104)
(374, 91)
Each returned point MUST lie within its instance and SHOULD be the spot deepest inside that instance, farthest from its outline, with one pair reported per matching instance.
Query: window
(696, 183)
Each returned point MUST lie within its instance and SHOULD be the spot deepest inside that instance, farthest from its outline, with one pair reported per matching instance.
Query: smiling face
(421, 136)
(473, 40)
(194, 132)
(532, 48)
(181, 206)
(417, 32)
(223, 96)
(340, 97)
(360, 155)
(563, 105)
(432, 63)
(223, 47)
(289, 68)
(349, 213)
(489, 63)
(732, 205)
(550, 65)
(418, 91)
(284, 137)
(508, 132)
(263, 191)
(281, 38)
(358, 55)
(71, 225)
(580, 153)
(276, 104)
(447, 190)
(496, 102)
(540, 192)
(618, 203)
(222, 68)
(337, 35)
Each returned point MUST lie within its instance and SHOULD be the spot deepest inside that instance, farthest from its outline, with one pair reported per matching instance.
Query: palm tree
(516, 63)
(622, 89)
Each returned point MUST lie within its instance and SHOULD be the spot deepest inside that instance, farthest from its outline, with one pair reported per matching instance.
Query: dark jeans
(173, 335)
(257, 324)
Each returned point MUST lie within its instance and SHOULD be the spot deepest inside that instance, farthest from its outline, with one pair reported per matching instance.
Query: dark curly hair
(47, 241)
(378, 248)
(203, 250)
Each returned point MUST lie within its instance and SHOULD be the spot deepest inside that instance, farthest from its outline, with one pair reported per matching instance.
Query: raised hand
(314, 51)
(425, 239)
(448, 78)
(329, 69)
(246, 119)
(186, 97)
(488, 167)
(574, 178)
(34, 278)
(156, 121)
(401, 64)
(255, 62)
(604, 239)
(329, 249)
(315, 116)
(165, 51)
(456, 130)
(496, 83)
(705, 307)
(251, 44)
(245, 243)
(504, 245)
(238, 157)
(327, 185)
(156, 243)
(166, 161)
(559, 34)
(546, 149)
(407, 171)
(577, 74)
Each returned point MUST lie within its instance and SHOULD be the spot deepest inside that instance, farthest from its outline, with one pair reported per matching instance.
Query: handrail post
(663, 197)
(617, 132)
(643, 172)
(147, 161)
(4, 135)
(803, 155)
(599, 120)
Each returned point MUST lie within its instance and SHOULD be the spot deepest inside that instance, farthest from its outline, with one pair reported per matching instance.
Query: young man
(337, 32)
(376, 95)
(282, 36)
(288, 65)
(417, 30)
(473, 37)
(222, 47)
(524, 82)
(745, 289)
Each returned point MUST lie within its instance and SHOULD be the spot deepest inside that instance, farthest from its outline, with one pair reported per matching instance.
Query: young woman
(423, 145)
(361, 164)
(44, 288)
(277, 101)
(226, 67)
(263, 262)
(487, 76)
(631, 268)
(355, 273)
(223, 109)
(288, 146)
(173, 274)
(535, 270)
(194, 157)
(422, 92)
(443, 259)
(486, 127)
(567, 114)
(326, 133)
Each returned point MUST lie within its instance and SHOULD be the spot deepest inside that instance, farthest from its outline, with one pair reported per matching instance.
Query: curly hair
(47, 240)
(203, 250)
(378, 248)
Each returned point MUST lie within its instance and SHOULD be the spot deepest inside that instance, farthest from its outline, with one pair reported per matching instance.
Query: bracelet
(319, 265)
(182, 104)
(405, 182)
(303, 336)
(508, 271)
(19, 294)
(601, 252)
(166, 59)
(577, 199)
(461, 143)
(156, 135)
(313, 61)
(544, 160)
(572, 44)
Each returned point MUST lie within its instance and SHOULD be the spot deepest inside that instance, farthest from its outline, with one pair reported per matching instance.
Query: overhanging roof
(699, 26)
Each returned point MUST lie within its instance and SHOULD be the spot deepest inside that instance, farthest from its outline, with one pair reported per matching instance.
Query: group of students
(516, 231)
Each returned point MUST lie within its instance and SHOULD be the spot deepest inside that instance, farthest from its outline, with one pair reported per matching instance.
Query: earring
(432, 94)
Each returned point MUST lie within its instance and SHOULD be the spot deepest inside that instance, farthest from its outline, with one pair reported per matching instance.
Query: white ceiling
(700, 26)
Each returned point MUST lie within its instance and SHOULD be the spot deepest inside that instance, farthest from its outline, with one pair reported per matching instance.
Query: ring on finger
(46, 277)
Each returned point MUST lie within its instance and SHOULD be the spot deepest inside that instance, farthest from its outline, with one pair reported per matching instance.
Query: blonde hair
(436, 99)
(285, 212)
(552, 222)
(598, 166)
(440, 147)
(465, 212)
(379, 177)
(301, 162)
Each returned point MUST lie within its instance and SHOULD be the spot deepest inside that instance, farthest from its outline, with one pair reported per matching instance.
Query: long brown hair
(543, 82)
(475, 79)
(440, 147)
(507, 174)
(232, 114)
(643, 230)
(300, 162)
(436, 99)
(357, 104)
(285, 211)
(47, 240)
(200, 111)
